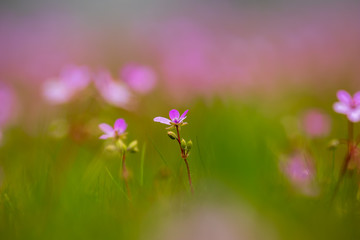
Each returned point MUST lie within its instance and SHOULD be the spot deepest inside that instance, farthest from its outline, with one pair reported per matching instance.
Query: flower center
(353, 104)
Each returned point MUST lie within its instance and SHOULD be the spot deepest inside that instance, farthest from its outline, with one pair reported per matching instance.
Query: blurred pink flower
(299, 170)
(141, 79)
(7, 104)
(111, 132)
(72, 79)
(316, 123)
(348, 105)
(113, 92)
(7, 107)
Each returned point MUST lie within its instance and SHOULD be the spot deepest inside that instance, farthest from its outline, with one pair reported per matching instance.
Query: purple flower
(112, 132)
(175, 118)
(348, 105)
(141, 79)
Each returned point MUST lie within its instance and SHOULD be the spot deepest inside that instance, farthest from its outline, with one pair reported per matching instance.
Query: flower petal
(344, 96)
(174, 114)
(357, 98)
(106, 128)
(183, 116)
(105, 136)
(341, 107)
(162, 120)
(120, 125)
(354, 116)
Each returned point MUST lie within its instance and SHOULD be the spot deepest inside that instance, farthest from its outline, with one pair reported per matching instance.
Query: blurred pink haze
(217, 49)
(8, 107)
(62, 89)
(114, 92)
(140, 79)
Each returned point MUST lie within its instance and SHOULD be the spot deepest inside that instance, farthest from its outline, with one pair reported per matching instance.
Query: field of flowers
(169, 120)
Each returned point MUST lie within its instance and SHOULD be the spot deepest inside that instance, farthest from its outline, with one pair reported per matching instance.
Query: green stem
(125, 175)
(184, 157)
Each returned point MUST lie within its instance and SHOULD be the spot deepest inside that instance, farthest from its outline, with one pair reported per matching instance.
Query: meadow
(274, 142)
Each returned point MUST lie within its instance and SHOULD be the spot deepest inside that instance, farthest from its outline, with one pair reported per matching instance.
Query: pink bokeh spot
(62, 89)
(315, 123)
(299, 170)
(141, 79)
(113, 92)
(7, 104)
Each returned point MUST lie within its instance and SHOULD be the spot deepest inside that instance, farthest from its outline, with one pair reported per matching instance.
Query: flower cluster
(73, 79)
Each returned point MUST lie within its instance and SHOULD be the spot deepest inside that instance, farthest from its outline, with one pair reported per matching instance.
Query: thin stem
(179, 141)
(333, 164)
(350, 135)
(125, 175)
(348, 156)
(184, 157)
(189, 176)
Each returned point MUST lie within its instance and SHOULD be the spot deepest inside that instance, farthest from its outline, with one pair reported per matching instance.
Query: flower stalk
(118, 134)
(184, 155)
(176, 121)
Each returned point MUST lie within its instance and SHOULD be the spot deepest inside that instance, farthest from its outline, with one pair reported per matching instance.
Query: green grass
(70, 188)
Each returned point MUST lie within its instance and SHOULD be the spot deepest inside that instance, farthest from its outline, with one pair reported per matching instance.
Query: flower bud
(172, 135)
(111, 148)
(189, 145)
(333, 144)
(121, 145)
(133, 147)
(183, 144)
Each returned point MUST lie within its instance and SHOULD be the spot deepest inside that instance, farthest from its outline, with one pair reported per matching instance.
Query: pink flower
(348, 105)
(113, 92)
(112, 132)
(175, 118)
(141, 79)
(62, 89)
(316, 123)
(7, 104)
(299, 170)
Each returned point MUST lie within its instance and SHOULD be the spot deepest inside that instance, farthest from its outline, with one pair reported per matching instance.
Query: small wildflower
(113, 132)
(118, 134)
(348, 105)
(175, 118)
(176, 121)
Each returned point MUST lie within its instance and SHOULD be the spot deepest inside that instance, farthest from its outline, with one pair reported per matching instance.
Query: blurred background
(259, 78)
